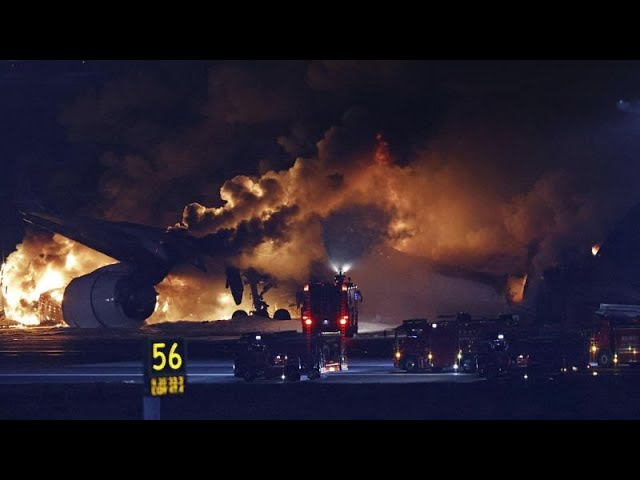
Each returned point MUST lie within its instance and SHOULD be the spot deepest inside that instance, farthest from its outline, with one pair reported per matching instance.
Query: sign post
(165, 373)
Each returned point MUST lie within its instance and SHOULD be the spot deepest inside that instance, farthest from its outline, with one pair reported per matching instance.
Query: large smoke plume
(429, 188)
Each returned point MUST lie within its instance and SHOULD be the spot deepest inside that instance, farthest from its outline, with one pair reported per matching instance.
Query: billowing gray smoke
(350, 233)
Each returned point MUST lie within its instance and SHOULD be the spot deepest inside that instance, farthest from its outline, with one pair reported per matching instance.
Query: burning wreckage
(123, 294)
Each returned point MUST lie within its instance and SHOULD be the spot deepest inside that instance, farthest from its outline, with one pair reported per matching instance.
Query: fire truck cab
(616, 335)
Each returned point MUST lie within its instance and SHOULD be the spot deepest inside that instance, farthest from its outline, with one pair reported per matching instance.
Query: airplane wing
(153, 252)
(132, 244)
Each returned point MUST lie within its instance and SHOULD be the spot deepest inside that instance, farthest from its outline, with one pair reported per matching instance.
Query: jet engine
(109, 297)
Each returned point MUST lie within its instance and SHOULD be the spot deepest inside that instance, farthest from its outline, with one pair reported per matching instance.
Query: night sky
(496, 166)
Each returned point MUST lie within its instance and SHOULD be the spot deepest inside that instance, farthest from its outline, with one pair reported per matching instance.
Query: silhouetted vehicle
(423, 345)
(492, 358)
(468, 362)
(287, 355)
(477, 335)
(548, 356)
(616, 335)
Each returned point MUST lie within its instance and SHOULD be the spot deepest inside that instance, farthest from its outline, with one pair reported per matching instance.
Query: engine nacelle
(108, 297)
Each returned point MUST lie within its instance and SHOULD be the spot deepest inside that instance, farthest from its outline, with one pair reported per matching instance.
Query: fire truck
(456, 342)
(616, 335)
(331, 306)
(329, 317)
(423, 345)
(288, 355)
(484, 342)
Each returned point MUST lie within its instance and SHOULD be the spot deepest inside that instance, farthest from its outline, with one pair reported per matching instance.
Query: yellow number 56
(175, 360)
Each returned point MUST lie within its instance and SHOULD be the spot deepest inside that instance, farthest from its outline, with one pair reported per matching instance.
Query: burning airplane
(120, 294)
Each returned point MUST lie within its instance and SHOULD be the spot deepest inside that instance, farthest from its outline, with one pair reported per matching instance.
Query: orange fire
(43, 266)
(515, 288)
(595, 249)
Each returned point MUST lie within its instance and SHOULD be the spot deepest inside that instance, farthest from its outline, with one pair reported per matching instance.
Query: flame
(162, 307)
(43, 263)
(51, 279)
(225, 299)
(194, 296)
(515, 288)
(70, 262)
(57, 294)
(595, 249)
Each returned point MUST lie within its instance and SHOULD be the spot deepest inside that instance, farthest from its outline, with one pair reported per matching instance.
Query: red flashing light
(307, 321)
(343, 321)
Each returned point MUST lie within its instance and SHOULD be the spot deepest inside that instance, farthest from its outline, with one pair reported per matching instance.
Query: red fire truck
(331, 307)
(616, 335)
(424, 345)
(452, 341)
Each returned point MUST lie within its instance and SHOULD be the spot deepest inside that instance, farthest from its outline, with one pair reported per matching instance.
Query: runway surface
(65, 374)
(216, 371)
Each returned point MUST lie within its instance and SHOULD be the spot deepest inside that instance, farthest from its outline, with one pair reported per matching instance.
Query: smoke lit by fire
(343, 213)
(453, 198)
